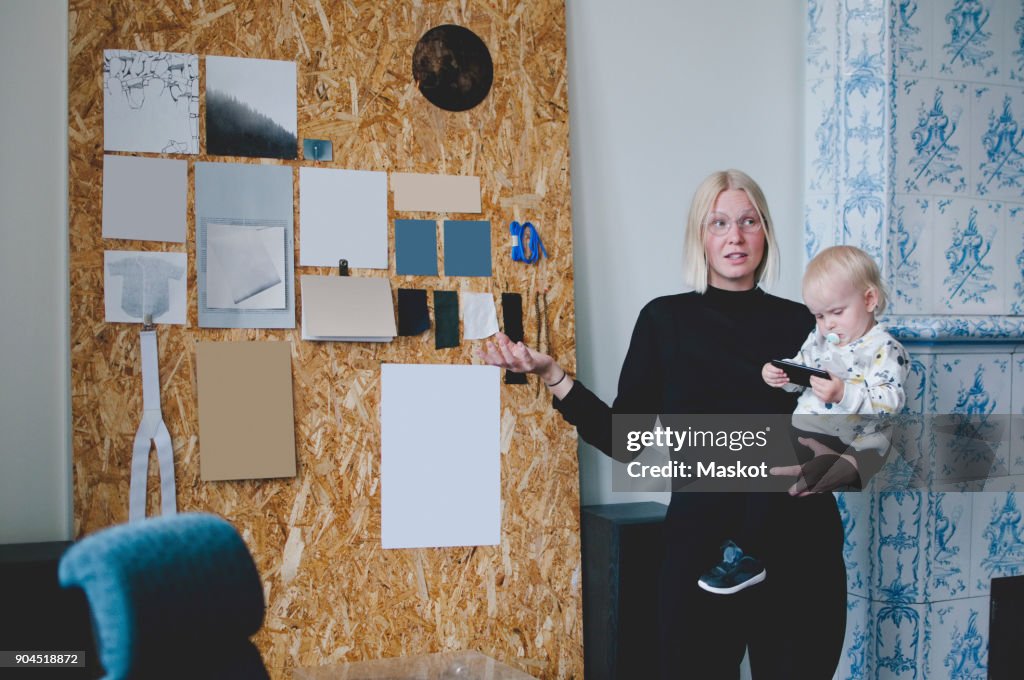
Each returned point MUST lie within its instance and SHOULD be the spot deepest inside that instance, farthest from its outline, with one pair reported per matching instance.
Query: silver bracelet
(559, 380)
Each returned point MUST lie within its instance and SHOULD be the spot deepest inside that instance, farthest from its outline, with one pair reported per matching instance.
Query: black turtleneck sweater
(697, 353)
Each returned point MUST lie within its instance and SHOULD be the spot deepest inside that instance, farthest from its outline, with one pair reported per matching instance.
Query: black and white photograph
(250, 108)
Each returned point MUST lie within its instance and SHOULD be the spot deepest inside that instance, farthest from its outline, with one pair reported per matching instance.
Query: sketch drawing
(150, 101)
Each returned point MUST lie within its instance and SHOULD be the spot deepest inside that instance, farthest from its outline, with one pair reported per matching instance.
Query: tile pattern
(914, 151)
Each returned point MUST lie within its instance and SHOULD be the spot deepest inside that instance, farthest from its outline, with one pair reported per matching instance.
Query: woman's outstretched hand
(827, 471)
(515, 356)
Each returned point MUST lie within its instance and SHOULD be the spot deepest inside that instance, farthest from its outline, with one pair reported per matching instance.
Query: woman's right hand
(517, 357)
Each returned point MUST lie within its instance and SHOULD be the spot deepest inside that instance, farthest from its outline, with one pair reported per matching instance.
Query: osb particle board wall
(333, 594)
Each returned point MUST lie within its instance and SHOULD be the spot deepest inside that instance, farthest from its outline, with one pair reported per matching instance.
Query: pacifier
(832, 339)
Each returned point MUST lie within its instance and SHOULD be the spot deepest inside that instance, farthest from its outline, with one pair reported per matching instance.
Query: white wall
(660, 95)
(34, 376)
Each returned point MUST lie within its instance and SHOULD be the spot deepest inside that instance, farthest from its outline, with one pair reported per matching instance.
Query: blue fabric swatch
(467, 248)
(416, 247)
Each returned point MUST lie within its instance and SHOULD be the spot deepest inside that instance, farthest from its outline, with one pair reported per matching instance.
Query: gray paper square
(144, 198)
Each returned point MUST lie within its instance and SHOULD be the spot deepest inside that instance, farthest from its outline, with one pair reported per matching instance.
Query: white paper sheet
(343, 214)
(479, 317)
(137, 283)
(440, 455)
(245, 267)
(144, 198)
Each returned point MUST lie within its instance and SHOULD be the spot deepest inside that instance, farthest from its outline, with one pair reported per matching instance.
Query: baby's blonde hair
(850, 264)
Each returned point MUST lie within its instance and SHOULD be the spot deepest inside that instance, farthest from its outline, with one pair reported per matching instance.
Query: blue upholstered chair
(170, 597)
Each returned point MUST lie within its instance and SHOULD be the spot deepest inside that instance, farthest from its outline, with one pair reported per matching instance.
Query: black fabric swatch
(413, 317)
(512, 315)
(446, 319)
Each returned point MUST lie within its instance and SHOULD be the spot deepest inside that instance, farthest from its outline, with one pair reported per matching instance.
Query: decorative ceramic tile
(862, 215)
(976, 386)
(821, 139)
(1013, 260)
(968, 42)
(912, 29)
(909, 462)
(855, 663)
(958, 639)
(897, 550)
(1013, 41)
(822, 38)
(855, 510)
(968, 272)
(932, 136)
(909, 252)
(949, 546)
(819, 225)
(997, 162)
(1017, 418)
(1004, 484)
(997, 538)
(898, 640)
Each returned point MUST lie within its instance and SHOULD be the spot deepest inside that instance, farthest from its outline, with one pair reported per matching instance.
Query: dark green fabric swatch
(446, 319)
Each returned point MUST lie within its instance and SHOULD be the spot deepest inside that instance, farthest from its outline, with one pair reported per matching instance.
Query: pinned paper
(250, 107)
(347, 308)
(144, 198)
(440, 456)
(246, 418)
(139, 283)
(467, 248)
(343, 214)
(244, 196)
(435, 193)
(150, 101)
(245, 267)
(413, 317)
(446, 319)
(479, 318)
(151, 431)
(416, 247)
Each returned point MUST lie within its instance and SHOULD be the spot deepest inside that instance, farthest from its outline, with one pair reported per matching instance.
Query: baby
(868, 368)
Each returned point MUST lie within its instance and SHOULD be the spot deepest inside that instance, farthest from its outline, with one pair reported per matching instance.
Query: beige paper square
(246, 418)
(416, 192)
(351, 308)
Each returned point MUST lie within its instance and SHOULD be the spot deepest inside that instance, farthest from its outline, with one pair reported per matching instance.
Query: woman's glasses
(719, 225)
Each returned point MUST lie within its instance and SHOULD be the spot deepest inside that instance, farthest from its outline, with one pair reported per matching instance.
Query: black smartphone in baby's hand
(799, 374)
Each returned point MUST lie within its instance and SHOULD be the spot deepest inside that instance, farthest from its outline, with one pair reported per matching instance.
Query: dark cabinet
(623, 548)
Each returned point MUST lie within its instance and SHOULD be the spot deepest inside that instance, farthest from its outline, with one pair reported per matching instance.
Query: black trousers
(793, 623)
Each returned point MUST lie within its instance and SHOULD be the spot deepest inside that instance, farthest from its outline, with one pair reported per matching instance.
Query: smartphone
(799, 374)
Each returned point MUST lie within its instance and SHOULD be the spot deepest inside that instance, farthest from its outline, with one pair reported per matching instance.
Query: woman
(702, 352)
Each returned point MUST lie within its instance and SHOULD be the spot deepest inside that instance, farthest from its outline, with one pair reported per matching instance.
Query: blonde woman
(702, 352)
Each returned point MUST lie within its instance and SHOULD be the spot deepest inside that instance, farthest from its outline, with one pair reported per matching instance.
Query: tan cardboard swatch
(246, 418)
(435, 193)
(351, 308)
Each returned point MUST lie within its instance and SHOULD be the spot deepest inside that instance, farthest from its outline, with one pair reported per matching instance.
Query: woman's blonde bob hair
(849, 264)
(695, 258)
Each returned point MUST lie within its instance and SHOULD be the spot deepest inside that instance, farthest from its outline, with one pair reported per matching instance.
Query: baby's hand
(773, 376)
(829, 391)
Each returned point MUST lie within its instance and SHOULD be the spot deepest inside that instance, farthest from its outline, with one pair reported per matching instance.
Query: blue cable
(519, 237)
